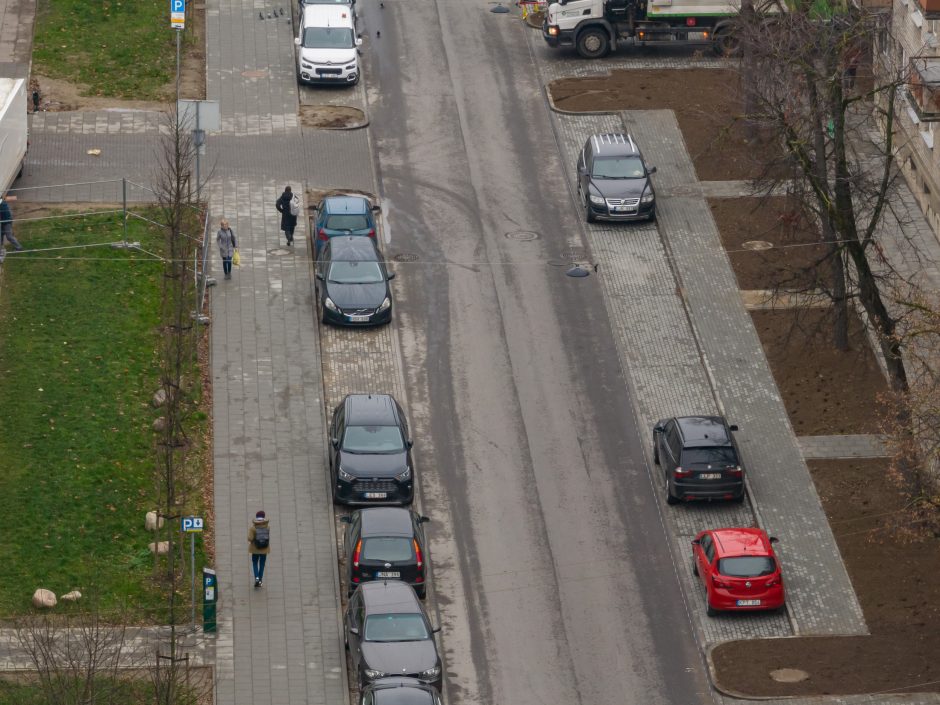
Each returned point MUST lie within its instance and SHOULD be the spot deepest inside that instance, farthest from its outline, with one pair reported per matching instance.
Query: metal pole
(178, 34)
(192, 563)
(198, 150)
(124, 200)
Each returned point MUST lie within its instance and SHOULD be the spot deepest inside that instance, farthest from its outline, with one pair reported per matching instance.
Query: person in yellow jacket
(259, 545)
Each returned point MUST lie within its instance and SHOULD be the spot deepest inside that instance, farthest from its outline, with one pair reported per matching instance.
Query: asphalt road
(554, 582)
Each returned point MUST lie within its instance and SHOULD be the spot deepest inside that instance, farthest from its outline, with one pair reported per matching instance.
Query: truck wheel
(593, 43)
(726, 44)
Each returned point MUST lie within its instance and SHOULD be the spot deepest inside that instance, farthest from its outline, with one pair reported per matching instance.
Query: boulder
(73, 596)
(43, 598)
(159, 398)
(153, 521)
(159, 423)
(160, 548)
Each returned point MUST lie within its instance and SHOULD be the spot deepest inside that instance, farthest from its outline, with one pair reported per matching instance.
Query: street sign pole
(192, 526)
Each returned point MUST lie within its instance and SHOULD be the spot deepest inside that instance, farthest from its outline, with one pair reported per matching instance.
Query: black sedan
(352, 283)
(399, 691)
(388, 634)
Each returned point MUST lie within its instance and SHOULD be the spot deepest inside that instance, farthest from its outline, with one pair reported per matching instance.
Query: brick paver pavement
(854, 446)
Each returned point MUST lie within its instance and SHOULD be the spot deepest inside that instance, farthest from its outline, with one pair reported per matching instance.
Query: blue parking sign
(192, 524)
(178, 14)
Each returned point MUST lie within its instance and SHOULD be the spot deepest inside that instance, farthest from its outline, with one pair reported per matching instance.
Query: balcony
(931, 8)
(923, 90)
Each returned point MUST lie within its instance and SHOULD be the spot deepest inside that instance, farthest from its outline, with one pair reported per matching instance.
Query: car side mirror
(354, 630)
(774, 539)
(319, 276)
(391, 275)
(733, 427)
(423, 519)
(358, 41)
(376, 208)
(435, 630)
(297, 41)
(345, 519)
(658, 429)
(409, 443)
(582, 170)
(651, 170)
(315, 208)
(696, 542)
(335, 442)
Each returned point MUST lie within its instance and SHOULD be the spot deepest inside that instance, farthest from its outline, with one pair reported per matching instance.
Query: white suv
(326, 45)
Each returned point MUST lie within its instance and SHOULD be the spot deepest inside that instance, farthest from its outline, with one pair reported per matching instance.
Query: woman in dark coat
(288, 221)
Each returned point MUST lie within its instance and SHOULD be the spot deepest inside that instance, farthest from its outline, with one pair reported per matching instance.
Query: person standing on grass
(6, 223)
(227, 246)
(288, 218)
(259, 545)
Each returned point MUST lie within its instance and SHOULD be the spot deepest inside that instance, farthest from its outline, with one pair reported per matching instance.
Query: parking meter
(210, 596)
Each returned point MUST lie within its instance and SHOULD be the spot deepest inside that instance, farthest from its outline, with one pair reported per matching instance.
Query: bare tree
(803, 87)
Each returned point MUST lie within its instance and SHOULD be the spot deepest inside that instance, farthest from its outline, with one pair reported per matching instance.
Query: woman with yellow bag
(228, 247)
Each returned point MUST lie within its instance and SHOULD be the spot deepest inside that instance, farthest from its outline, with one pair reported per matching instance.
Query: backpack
(262, 536)
(295, 205)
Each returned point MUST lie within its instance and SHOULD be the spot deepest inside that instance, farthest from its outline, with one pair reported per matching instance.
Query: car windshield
(347, 222)
(328, 38)
(395, 627)
(373, 439)
(390, 549)
(723, 455)
(356, 273)
(618, 168)
(746, 566)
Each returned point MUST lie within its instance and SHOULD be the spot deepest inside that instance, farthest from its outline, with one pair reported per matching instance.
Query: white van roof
(327, 16)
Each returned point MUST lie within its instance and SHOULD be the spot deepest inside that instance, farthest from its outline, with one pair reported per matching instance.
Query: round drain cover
(405, 257)
(279, 252)
(757, 245)
(523, 235)
(789, 675)
(578, 271)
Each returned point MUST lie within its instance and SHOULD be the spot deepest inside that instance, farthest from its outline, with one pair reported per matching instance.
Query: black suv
(388, 634)
(614, 181)
(699, 458)
(370, 451)
(383, 543)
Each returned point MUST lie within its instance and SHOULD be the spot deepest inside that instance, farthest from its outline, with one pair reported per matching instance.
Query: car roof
(327, 16)
(703, 431)
(386, 521)
(371, 410)
(389, 595)
(401, 691)
(353, 248)
(613, 144)
(741, 542)
(351, 205)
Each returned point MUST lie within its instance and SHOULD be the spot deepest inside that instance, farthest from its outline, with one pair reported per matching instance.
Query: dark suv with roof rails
(699, 458)
(614, 180)
(370, 451)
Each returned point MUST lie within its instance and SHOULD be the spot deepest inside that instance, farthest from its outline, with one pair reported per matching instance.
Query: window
(395, 627)
(708, 547)
(328, 38)
(746, 566)
(387, 549)
(356, 273)
(709, 456)
(618, 168)
(923, 91)
(347, 222)
(373, 439)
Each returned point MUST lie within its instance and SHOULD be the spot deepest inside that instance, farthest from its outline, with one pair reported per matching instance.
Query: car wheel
(588, 215)
(422, 592)
(694, 567)
(739, 499)
(669, 497)
(709, 610)
(652, 217)
(593, 43)
(655, 453)
(322, 311)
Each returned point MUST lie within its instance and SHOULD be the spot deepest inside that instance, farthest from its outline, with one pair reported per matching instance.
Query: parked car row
(327, 43)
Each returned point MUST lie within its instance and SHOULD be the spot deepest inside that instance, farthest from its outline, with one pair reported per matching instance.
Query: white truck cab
(327, 45)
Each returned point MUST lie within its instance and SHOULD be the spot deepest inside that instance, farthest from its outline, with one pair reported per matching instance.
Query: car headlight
(328, 302)
(372, 674)
(345, 476)
(648, 197)
(306, 65)
(404, 475)
(597, 200)
(351, 67)
(431, 673)
(384, 305)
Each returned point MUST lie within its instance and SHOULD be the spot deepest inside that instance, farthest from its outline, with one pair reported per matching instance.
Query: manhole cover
(789, 675)
(574, 253)
(279, 251)
(255, 73)
(523, 235)
(757, 245)
(405, 257)
(577, 272)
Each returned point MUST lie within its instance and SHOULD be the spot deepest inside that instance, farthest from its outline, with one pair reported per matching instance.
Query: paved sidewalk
(16, 37)
(833, 447)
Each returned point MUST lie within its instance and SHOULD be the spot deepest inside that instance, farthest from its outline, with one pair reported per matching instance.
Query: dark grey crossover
(388, 634)
(614, 180)
(699, 458)
(385, 543)
(370, 451)
(399, 691)
(352, 283)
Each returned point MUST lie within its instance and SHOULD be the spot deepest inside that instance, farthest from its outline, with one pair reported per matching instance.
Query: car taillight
(734, 471)
(720, 583)
(356, 553)
(679, 472)
(371, 232)
(773, 581)
(322, 234)
(417, 552)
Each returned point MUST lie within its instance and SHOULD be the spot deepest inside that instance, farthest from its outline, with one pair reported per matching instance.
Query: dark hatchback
(614, 181)
(388, 634)
(343, 215)
(399, 691)
(699, 459)
(386, 543)
(352, 283)
(370, 451)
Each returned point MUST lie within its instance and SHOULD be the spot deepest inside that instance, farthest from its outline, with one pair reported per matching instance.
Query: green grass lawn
(78, 367)
(108, 692)
(118, 48)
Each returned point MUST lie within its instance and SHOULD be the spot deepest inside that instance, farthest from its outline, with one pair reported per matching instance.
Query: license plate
(388, 574)
(748, 603)
(710, 476)
(376, 495)
(621, 209)
(359, 319)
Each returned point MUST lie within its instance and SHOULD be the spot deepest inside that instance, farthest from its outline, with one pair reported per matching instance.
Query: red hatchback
(739, 569)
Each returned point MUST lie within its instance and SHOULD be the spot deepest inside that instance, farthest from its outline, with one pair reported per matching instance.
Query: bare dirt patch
(789, 264)
(705, 102)
(332, 117)
(895, 580)
(826, 391)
